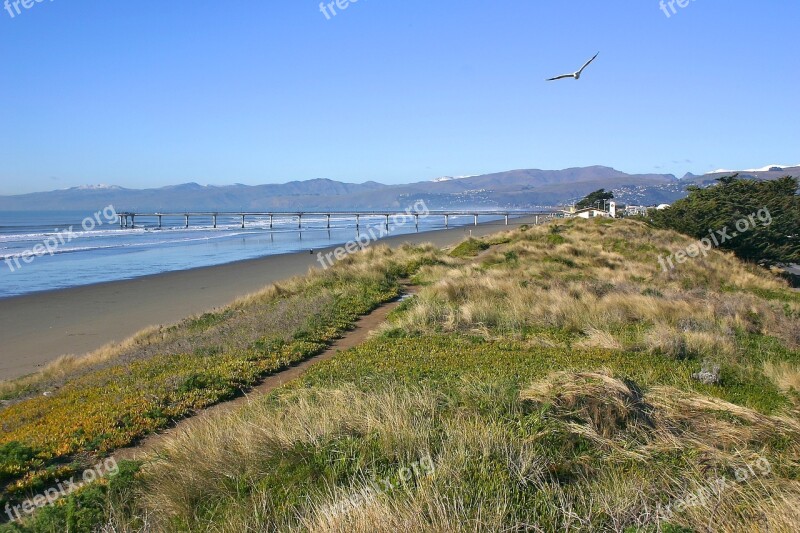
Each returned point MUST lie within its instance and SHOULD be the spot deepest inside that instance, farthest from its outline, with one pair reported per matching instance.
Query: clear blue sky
(144, 94)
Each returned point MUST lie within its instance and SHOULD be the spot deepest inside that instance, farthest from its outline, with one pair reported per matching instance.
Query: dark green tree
(762, 217)
(592, 198)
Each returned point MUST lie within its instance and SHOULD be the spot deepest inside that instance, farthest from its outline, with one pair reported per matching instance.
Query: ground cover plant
(553, 378)
(58, 422)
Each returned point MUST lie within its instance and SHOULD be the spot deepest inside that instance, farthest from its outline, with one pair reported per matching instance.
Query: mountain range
(515, 189)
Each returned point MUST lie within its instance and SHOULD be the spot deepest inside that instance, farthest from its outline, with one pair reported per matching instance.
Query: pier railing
(128, 219)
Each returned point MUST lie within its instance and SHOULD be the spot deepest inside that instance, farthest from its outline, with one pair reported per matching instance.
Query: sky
(146, 94)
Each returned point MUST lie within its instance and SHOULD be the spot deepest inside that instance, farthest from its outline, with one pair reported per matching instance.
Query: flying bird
(575, 75)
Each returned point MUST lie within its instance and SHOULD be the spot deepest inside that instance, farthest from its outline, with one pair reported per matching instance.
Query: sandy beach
(38, 328)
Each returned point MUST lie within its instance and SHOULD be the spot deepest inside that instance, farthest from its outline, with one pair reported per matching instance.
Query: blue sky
(144, 94)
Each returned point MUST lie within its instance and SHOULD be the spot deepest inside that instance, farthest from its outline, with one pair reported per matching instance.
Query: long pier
(128, 219)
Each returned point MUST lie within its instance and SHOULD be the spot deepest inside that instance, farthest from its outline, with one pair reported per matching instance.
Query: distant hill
(514, 189)
(187, 196)
(769, 172)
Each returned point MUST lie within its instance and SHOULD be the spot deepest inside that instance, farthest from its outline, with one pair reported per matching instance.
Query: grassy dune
(61, 420)
(542, 379)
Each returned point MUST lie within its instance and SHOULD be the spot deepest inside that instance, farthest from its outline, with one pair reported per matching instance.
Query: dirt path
(363, 327)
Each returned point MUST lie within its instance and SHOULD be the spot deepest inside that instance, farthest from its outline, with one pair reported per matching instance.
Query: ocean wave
(260, 223)
(153, 244)
(114, 230)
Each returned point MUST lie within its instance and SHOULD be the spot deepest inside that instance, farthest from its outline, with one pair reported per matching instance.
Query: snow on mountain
(451, 178)
(767, 168)
(98, 187)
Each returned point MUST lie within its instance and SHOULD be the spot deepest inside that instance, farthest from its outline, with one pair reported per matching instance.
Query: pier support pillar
(329, 221)
(416, 221)
(159, 221)
(387, 222)
(300, 221)
(270, 221)
(187, 220)
(133, 221)
(476, 220)
(358, 221)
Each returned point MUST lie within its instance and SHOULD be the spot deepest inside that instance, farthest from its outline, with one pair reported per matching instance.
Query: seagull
(575, 75)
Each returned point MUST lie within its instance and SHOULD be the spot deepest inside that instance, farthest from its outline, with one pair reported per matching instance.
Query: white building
(633, 210)
(588, 212)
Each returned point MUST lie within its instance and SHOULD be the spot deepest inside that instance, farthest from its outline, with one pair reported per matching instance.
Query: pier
(128, 219)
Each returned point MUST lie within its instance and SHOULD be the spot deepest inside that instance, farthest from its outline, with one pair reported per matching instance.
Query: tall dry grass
(634, 426)
(199, 466)
(584, 451)
(484, 470)
(603, 287)
(786, 375)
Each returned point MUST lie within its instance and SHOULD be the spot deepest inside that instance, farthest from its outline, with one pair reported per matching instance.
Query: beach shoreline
(40, 327)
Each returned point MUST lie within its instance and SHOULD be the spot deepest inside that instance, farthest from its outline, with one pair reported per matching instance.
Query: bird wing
(589, 62)
(561, 77)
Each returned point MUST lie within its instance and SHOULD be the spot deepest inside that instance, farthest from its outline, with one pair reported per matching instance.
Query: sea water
(110, 253)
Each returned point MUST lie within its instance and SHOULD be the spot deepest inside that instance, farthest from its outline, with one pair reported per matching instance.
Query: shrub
(469, 248)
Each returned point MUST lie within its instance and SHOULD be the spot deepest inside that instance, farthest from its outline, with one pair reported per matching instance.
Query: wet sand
(38, 328)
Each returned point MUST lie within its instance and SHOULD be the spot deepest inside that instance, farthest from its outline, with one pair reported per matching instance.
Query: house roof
(586, 209)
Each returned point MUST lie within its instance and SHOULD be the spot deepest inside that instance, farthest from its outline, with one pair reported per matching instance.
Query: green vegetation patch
(178, 371)
(451, 359)
(552, 387)
(469, 248)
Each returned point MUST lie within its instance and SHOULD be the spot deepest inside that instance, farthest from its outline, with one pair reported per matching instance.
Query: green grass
(469, 248)
(186, 368)
(782, 295)
(449, 360)
(82, 510)
(470, 390)
(491, 371)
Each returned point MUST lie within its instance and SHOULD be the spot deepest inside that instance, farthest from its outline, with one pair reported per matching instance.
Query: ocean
(107, 252)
